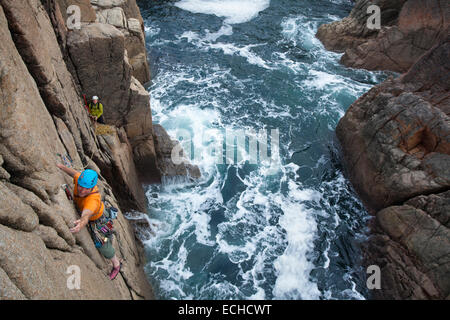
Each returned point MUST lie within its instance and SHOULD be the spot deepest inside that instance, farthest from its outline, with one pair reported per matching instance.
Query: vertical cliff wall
(396, 143)
(395, 140)
(46, 65)
(107, 58)
(41, 116)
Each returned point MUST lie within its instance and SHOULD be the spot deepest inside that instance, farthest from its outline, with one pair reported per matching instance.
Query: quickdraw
(66, 189)
(67, 160)
(85, 103)
(103, 228)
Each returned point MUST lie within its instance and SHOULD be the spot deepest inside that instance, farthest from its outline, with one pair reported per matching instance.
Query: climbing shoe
(115, 272)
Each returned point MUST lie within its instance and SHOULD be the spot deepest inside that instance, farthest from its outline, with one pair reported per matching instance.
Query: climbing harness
(102, 229)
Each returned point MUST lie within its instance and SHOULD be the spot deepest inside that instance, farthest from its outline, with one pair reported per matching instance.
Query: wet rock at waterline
(166, 148)
(353, 31)
(396, 148)
(408, 29)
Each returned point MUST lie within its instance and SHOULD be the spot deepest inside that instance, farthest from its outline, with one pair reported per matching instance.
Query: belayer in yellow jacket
(96, 110)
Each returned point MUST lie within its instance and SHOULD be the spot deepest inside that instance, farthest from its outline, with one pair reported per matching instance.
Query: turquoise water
(286, 229)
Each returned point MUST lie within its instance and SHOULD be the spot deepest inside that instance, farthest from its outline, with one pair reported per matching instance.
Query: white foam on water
(282, 61)
(327, 261)
(208, 42)
(325, 88)
(301, 31)
(267, 234)
(255, 277)
(177, 271)
(245, 52)
(196, 38)
(202, 231)
(332, 17)
(220, 290)
(352, 293)
(248, 234)
(172, 287)
(341, 1)
(234, 11)
(199, 125)
(334, 190)
(302, 194)
(321, 80)
(236, 253)
(225, 30)
(294, 265)
(259, 295)
(151, 31)
(188, 212)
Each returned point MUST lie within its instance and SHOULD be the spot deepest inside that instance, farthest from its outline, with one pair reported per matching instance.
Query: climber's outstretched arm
(71, 172)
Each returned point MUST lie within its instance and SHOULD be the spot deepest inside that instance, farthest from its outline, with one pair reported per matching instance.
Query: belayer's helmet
(94, 98)
(88, 179)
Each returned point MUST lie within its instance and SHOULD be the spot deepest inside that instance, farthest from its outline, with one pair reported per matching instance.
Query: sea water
(286, 229)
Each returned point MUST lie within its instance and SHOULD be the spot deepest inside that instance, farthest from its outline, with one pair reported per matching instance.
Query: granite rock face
(109, 60)
(411, 244)
(166, 149)
(395, 143)
(408, 30)
(352, 31)
(114, 71)
(39, 48)
(42, 117)
(98, 52)
(395, 138)
(125, 15)
(46, 65)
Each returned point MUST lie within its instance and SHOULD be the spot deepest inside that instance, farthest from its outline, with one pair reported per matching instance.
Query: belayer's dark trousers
(100, 120)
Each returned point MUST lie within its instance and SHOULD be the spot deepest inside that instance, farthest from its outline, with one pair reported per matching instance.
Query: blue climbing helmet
(88, 179)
